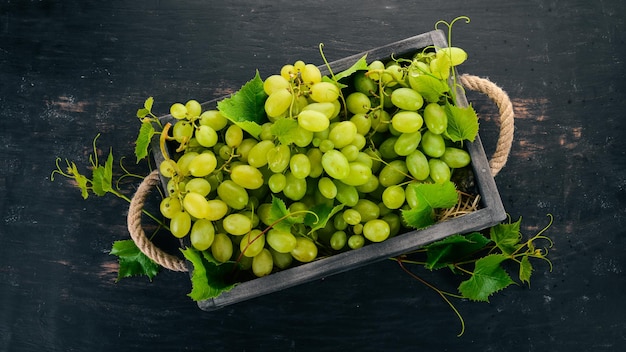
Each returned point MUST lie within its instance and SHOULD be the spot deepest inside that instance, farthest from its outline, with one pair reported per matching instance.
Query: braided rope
(499, 96)
(497, 162)
(139, 236)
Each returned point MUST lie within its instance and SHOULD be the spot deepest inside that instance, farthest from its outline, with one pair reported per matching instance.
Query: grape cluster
(357, 143)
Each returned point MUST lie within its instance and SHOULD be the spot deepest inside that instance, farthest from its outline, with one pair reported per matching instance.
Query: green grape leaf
(143, 140)
(488, 278)
(246, 108)
(280, 217)
(148, 103)
(323, 213)
(208, 278)
(81, 180)
(102, 177)
(132, 261)
(453, 249)
(462, 123)
(285, 130)
(430, 196)
(359, 65)
(506, 236)
(525, 270)
(431, 88)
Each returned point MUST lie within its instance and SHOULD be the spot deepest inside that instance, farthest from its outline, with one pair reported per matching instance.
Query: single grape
(417, 164)
(439, 170)
(180, 224)
(393, 197)
(274, 83)
(367, 209)
(206, 136)
(364, 84)
(277, 182)
(233, 136)
(407, 121)
(315, 159)
(324, 92)
(455, 55)
(358, 175)
(356, 241)
(222, 248)
(182, 131)
(237, 224)
(258, 154)
(246, 176)
(435, 118)
(305, 250)
(199, 186)
(194, 109)
(213, 119)
(281, 260)
(433, 145)
(407, 99)
(233, 194)
(300, 165)
(312, 120)
(336, 164)
(358, 103)
(203, 164)
(328, 109)
(252, 243)
(168, 168)
(281, 241)
(202, 234)
(362, 122)
(342, 134)
(393, 173)
(456, 158)
(217, 209)
(351, 216)
(375, 70)
(263, 263)
(376, 230)
(184, 161)
(407, 143)
(295, 188)
(338, 240)
(196, 205)
(346, 194)
(310, 74)
(277, 104)
(278, 158)
(178, 111)
(327, 187)
(170, 206)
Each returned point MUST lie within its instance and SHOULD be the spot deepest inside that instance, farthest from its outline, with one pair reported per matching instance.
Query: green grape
(278, 158)
(368, 209)
(213, 119)
(393, 197)
(375, 69)
(363, 157)
(266, 131)
(202, 234)
(397, 73)
(262, 263)
(310, 74)
(356, 241)
(200, 186)
(277, 104)
(274, 83)
(252, 243)
(237, 224)
(233, 136)
(327, 108)
(456, 158)
(338, 240)
(196, 205)
(246, 176)
(312, 120)
(439, 170)
(243, 150)
(295, 188)
(380, 120)
(375, 157)
(203, 164)
(370, 185)
(182, 131)
(339, 223)
(323, 92)
(417, 163)
(440, 67)
(350, 151)
(359, 174)
(206, 136)
(224, 152)
(315, 159)
(362, 122)
(327, 187)
(387, 148)
(326, 145)
(364, 84)
(281, 241)
(178, 111)
(455, 55)
(395, 223)
(393, 173)
(376, 230)
(359, 142)
(301, 137)
(217, 209)
(258, 154)
(407, 121)
(342, 134)
(233, 194)
(180, 224)
(346, 194)
(300, 165)
(336, 164)
(222, 248)
(407, 99)
(168, 168)
(277, 182)
(194, 109)
(351, 216)
(435, 118)
(170, 206)
(357, 229)
(305, 250)
(183, 162)
(407, 143)
(358, 103)
(281, 260)
(433, 145)
(288, 72)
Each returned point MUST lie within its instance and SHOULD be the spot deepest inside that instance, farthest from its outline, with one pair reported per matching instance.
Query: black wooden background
(72, 69)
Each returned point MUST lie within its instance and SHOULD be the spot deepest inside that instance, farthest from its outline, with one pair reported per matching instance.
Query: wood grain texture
(72, 69)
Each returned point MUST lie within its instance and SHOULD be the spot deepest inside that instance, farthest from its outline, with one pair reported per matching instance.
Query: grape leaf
(208, 275)
(430, 196)
(278, 211)
(324, 213)
(525, 270)
(246, 108)
(488, 278)
(81, 180)
(285, 130)
(462, 123)
(360, 64)
(143, 140)
(453, 249)
(132, 261)
(102, 177)
(506, 236)
(429, 87)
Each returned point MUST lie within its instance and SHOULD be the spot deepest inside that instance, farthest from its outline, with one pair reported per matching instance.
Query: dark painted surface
(72, 69)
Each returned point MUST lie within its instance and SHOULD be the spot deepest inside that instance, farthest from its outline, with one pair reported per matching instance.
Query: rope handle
(496, 163)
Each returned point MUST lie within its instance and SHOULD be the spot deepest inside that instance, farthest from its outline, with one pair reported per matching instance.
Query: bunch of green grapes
(359, 146)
